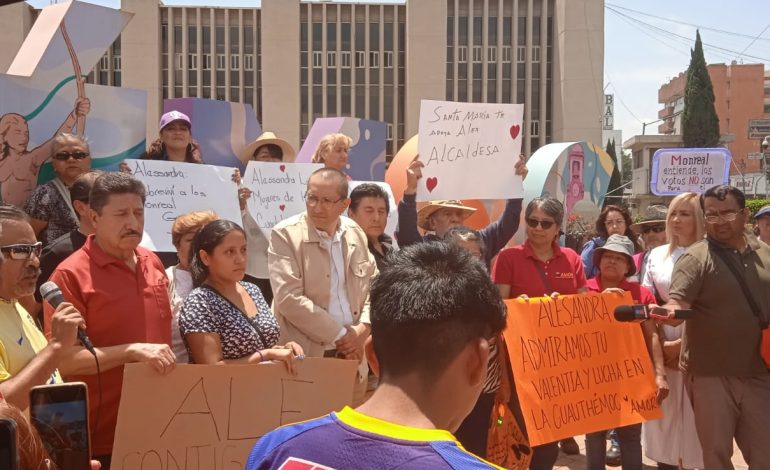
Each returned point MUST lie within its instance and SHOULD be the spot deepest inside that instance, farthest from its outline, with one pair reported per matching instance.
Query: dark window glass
(206, 33)
(192, 39)
(331, 36)
(345, 36)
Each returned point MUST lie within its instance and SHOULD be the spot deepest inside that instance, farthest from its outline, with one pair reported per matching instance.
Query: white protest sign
(176, 188)
(277, 190)
(469, 150)
(675, 171)
(390, 227)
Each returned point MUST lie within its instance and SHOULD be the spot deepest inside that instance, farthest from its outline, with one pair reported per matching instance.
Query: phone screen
(8, 444)
(60, 415)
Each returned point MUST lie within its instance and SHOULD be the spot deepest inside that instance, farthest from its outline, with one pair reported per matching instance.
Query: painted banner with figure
(677, 171)
(277, 190)
(210, 416)
(469, 150)
(577, 369)
(176, 188)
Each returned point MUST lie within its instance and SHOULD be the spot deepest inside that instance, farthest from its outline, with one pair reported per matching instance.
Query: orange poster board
(578, 370)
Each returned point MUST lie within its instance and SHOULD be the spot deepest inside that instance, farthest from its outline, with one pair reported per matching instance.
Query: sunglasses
(654, 228)
(22, 251)
(546, 224)
(64, 156)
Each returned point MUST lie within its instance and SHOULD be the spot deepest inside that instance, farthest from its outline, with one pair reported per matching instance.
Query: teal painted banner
(48, 98)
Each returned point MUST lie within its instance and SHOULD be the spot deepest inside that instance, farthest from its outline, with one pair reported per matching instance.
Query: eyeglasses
(313, 201)
(64, 156)
(546, 224)
(727, 216)
(22, 251)
(654, 228)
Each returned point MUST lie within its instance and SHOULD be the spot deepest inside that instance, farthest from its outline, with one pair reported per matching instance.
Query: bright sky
(639, 57)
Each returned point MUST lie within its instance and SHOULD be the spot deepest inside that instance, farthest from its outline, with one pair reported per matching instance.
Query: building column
(15, 22)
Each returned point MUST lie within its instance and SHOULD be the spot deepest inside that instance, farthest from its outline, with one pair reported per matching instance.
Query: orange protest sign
(577, 370)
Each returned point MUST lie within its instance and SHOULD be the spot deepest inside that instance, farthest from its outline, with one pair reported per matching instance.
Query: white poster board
(676, 171)
(277, 190)
(392, 225)
(469, 150)
(176, 188)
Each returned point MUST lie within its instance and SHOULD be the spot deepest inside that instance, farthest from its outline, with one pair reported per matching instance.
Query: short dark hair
(114, 183)
(461, 232)
(368, 190)
(207, 239)
(274, 150)
(332, 173)
(721, 192)
(81, 188)
(427, 304)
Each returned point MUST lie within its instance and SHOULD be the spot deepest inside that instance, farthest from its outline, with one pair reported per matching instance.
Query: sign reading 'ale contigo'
(577, 369)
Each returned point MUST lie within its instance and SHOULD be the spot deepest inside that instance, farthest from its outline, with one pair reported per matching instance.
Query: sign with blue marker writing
(176, 188)
(676, 171)
(469, 150)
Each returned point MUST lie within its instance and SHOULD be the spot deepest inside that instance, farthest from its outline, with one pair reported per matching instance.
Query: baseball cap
(172, 116)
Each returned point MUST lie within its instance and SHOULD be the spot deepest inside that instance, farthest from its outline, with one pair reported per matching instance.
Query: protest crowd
(421, 312)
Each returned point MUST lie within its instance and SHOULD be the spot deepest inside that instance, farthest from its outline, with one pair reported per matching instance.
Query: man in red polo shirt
(121, 291)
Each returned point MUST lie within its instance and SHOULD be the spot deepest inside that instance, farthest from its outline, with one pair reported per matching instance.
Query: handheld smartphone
(59, 412)
(9, 458)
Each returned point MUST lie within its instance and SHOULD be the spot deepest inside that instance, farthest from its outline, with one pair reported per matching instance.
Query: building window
(534, 128)
(248, 62)
(116, 63)
(235, 62)
(492, 54)
(535, 53)
(374, 59)
(767, 108)
(179, 61)
(331, 59)
(192, 61)
(521, 54)
(206, 61)
(477, 54)
(390, 131)
(318, 58)
(506, 53)
(462, 53)
(388, 59)
(345, 59)
(360, 59)
(221, 62)
(104, 63)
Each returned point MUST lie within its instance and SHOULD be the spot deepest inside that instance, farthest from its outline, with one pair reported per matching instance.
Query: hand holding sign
(464, 142)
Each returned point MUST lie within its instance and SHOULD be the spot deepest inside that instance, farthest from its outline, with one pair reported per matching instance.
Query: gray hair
(464, 233)
(551, 206)
(64, 137)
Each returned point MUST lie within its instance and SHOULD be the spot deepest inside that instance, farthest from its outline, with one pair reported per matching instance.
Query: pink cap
(172, 116)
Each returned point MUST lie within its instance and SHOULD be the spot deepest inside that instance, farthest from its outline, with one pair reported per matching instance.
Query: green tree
(614, 192)
(628, 169)
(700, 123)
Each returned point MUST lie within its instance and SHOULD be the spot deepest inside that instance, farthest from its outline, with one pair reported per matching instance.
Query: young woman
(672, 441)
(332, 151)
(225, 320)
(613, 220)
(174, 141)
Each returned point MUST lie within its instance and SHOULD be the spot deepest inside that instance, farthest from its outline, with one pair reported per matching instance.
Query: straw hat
(247, 153)
(618, 244)
(653, 215)
(431, 207)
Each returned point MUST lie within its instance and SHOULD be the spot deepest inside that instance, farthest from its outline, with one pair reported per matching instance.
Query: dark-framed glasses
(653, 228)
(546, 224)
(22, 251)
(64, 156)
(312, 201)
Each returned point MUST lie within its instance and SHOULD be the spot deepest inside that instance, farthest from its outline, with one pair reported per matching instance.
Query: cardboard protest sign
(211, 416)
(469, 150)
(676, 171)
(176, 188)
(577, 369)
(392, 224)
(278, 190)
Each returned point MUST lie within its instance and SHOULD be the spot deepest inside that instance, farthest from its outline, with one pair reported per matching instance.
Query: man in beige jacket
(320, 271)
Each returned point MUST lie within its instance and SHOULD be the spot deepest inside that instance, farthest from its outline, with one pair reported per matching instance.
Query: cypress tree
(700, 123)
(615, 195)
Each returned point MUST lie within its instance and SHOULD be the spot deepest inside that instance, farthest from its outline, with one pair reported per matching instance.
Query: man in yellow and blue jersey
(433, 312)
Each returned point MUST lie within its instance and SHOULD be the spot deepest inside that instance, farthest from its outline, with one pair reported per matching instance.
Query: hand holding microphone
(51, 293)
(640, 313)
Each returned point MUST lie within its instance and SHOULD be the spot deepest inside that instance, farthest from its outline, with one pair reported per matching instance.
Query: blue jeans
(630, 438)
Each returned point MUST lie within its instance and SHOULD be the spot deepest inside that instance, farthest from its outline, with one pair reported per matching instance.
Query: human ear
(477, 357)
(371, 357)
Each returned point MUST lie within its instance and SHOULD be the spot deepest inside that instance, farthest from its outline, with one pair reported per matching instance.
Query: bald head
(330, 175)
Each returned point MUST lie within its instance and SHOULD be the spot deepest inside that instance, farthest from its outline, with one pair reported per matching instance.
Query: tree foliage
(700, 123)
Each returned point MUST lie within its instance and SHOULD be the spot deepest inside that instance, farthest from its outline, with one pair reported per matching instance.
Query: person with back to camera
(434, 310)
(225, 320)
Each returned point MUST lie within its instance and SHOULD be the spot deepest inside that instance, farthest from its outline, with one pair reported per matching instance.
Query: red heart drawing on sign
(431, 183)
(282, 207)
(282, 167)
(515, 131)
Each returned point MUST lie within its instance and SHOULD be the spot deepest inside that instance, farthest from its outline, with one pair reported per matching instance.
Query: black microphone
(632, 313)
(51, 293)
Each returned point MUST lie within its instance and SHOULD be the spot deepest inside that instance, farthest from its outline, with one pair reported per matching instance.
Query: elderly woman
(672, 441)
(179, 276)
(540, 267)
(225, 320)
(50, 206)
(174, 141)
(333, 151)
(613, 220)
(614, 261)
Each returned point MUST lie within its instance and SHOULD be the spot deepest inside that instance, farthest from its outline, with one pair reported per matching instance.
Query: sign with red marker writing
(469, 150)
(676, 171)
(577, 369)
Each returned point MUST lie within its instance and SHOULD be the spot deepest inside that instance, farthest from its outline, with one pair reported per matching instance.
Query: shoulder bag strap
(543, 277)
(742, 282)
(238, 309)
(65, 194)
